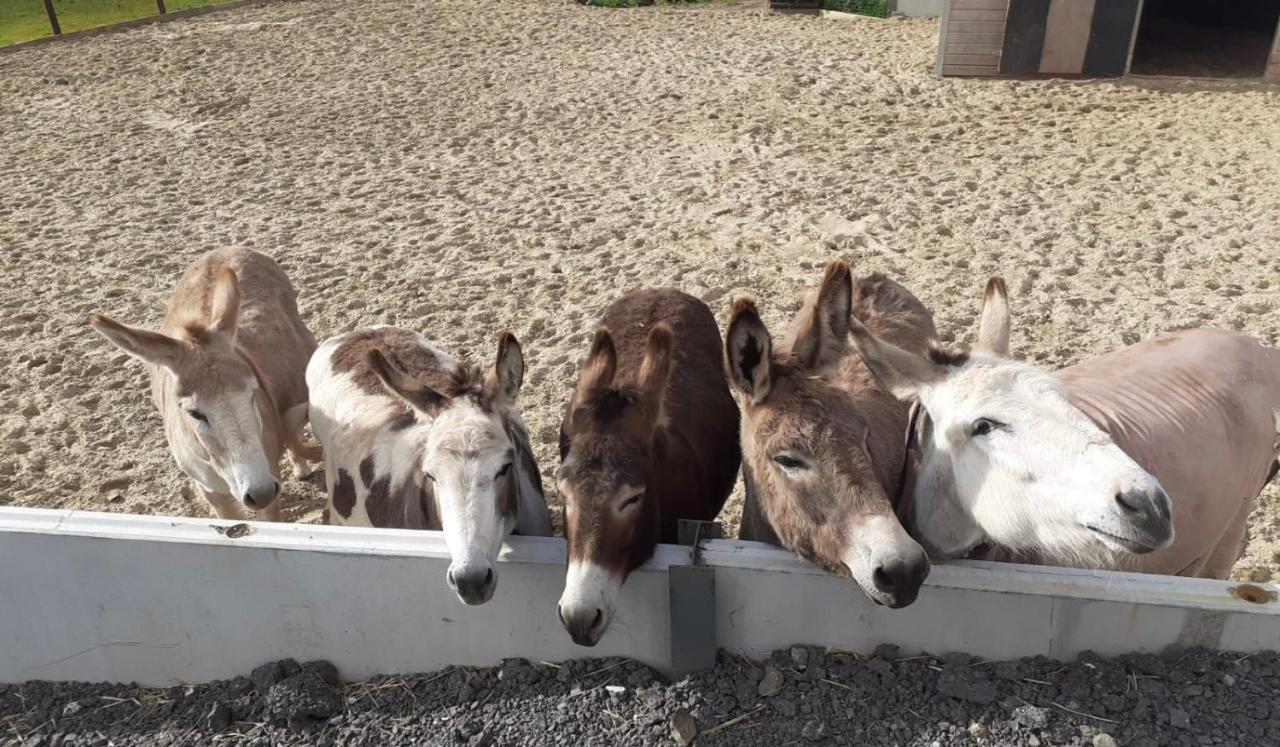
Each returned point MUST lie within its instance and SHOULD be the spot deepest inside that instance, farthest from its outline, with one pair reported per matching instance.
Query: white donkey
(227, 374)
(1045, 467)
(414, 439)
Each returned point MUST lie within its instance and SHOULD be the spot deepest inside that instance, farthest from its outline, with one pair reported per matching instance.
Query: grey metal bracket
(693, 603)
(691, 533)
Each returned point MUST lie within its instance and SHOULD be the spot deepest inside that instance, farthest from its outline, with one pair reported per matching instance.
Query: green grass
(877, 8)
(23, 20)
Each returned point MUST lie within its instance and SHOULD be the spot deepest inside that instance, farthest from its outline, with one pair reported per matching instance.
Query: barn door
(1037, 37)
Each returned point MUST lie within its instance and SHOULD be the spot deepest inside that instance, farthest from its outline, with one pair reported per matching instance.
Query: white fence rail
(160, 600)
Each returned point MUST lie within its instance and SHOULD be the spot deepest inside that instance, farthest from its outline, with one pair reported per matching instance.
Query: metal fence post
(693, 603)
(53, 17)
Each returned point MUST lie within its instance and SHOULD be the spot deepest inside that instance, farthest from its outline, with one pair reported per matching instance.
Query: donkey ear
(900, 371)
(819, 337)
(408, 388)
(993, 329)
(652, 379)
(508, 370)
(748, 351)
(225, 307)
(601, 363)
(143, 344)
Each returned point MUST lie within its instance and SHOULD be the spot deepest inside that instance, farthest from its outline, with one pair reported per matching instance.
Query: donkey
(822, 441)
(1149, 458)
(649, 437)
(415, 439)
(227, 375)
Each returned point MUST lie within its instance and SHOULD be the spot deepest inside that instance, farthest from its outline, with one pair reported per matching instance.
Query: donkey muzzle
(474, 583)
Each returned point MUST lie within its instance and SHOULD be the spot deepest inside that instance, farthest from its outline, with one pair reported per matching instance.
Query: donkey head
(609, 442)
(219, 437)
(810, 447)
(468, 462)
(1008, 458)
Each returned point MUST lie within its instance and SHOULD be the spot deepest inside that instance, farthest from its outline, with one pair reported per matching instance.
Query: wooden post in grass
(53, 17)
(160, 5)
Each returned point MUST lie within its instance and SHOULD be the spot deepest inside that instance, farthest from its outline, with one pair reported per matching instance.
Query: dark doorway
(1208, 38)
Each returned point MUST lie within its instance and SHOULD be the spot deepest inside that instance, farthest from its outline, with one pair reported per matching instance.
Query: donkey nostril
(883, 581)
(560, 614)
(1124, 501)
(249, 501)
(488, 576)
(599, 618)
(277, 491)
(449, 577)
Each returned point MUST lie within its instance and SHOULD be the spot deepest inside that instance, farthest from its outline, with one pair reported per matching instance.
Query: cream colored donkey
(228, 375)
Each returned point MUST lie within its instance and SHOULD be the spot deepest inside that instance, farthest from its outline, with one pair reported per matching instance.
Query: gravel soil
(802, 695)
(460, 167)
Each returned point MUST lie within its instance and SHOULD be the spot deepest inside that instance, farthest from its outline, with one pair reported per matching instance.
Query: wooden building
(1025, 38)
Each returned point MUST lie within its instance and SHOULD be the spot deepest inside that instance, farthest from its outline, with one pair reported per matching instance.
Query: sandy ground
(431, 165)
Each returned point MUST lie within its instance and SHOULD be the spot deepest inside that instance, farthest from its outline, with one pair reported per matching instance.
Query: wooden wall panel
(972, 36)
(1066, 36)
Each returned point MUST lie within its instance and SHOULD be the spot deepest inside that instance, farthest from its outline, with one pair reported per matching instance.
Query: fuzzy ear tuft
(821, 338)
(224, 312)
(601, 364)
(993, 329)
(652, 379)
(504, 381)
(748, 351)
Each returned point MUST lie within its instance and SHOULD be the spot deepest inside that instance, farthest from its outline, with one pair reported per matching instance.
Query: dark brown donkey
(650, 437)
(822, 441)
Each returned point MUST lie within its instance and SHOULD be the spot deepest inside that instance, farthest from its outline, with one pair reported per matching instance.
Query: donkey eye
(788, 463)
(632, 501)
(984, 426)
(198, 416)
(505, 469)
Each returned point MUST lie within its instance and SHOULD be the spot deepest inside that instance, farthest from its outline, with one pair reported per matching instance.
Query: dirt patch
(800, 696)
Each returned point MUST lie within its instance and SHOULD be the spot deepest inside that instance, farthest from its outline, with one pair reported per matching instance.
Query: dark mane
(197, 333)
(466, 380)
(949, 358)
(607, 405)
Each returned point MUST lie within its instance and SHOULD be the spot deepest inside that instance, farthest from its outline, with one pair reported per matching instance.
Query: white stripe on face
(587, 604)
(231, 434)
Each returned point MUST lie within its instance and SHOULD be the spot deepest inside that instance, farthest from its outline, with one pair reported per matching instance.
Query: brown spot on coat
(344, 494)
(403, 420)
(411, 506)
(378, 503)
